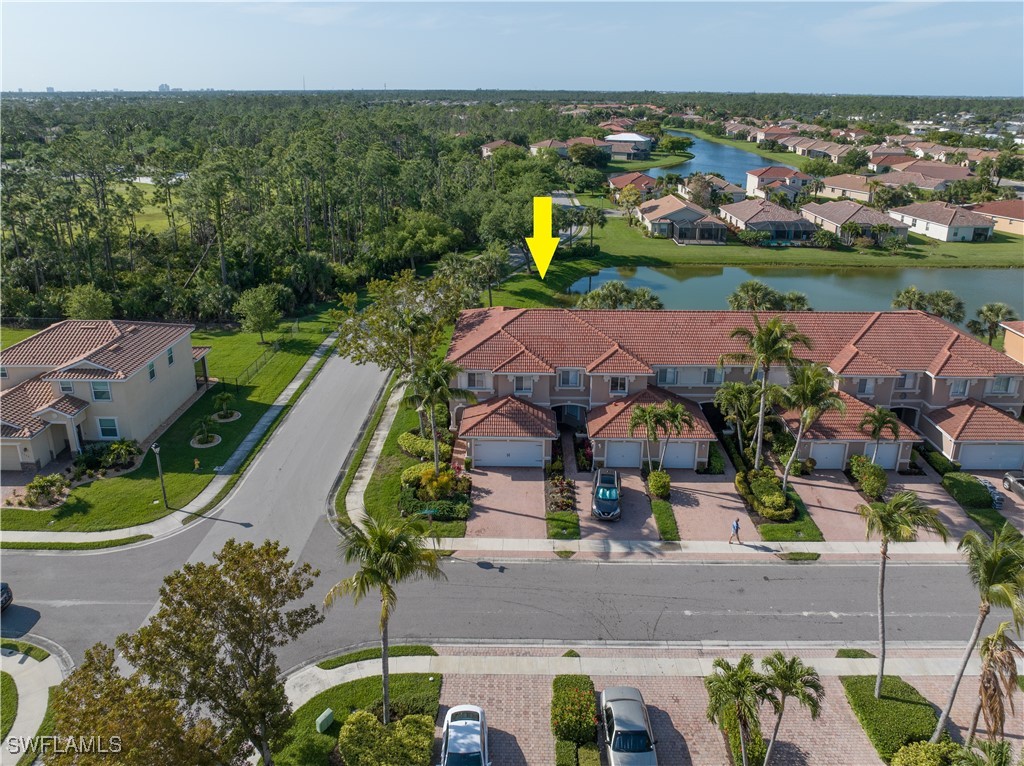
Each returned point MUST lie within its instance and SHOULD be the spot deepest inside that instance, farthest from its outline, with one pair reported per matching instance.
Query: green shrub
(665, 518)
(810, 464)
(738, 462)
(927, 754)
(660, 484)
(411, 475)
(417, 446)
(783, 443)
(940, 462)
(756, 747)
(967, 490)
(856, 466)
(873, 481)
(716, 461)
(565, 753)
(571, 653)
(573, 709)
(120, 453)
(44, 490)
(456, 508)
(91, 457)
(589, 755)
(900, 717)
(763, 492)
(365, 741)
(422, 703)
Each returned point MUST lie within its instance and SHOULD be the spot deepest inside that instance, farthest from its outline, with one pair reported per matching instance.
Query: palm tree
(896, 521)
(491, 267)
(881, 231)
(651, 418)
(738, 690)
(768, 344)
(753, 295)
(910, 298)
(223, 402)
(676, 417)
(998, 681)
(790, 678)
(201, 429)
(991, 315)
(594, 217)
(946, 305)
(734, 401)
(795, 301)
(388, 550)
(996, 567)
(645, 299)
(849, 231)
(878, 421)
(429, 387)
(812, 393)
(987, 753)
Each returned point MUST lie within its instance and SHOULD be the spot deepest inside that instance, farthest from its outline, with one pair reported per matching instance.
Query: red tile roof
(848, 181)
(842, 211)
(851, 343)
(550, 143)
(611, 421)
(587, 140)
(641, 181)
(934, 169)
(20, 405)
(760, 211)
(1004, 208)
(775, 171)
(971, 420)
(842, 426)
(198, 352)
(944, 213)
(510, 418)
(499, 144)
(1017, 327)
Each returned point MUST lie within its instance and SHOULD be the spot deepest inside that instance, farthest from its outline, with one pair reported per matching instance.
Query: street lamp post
(160, 470)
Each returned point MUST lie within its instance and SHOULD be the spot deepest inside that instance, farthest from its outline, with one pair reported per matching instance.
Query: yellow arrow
(542, 244)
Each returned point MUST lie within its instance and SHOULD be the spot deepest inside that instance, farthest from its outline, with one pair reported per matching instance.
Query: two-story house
(535, 369)
(92, 380)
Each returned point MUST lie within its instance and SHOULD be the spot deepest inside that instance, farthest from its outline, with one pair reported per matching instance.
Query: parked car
(607, 494)
(464, 737)
(1014, 481)
(6, 596)
(627, 728)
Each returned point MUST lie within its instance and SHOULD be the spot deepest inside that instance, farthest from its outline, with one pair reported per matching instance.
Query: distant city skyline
(885, 48)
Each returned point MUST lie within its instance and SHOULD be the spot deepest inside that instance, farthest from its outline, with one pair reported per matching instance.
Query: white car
(464, 738)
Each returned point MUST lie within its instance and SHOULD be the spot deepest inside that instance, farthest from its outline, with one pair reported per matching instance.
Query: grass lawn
(801, 529)
(373, 653)
(22, 647)
(657, 160)
(563, 525)
(307, 746)
(8, 703)
(340, 503)
(988, 519)
(11, 335)
(782, 158)
(89, 546)
(665, 518)
(135, 498)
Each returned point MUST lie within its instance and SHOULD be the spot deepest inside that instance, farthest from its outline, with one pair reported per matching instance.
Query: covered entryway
(681, 455)
(992, 457)
(508, 453)
(623, 454)
(830, 457)
(888, 455)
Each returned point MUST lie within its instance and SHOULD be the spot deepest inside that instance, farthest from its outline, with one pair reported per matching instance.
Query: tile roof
(510, 418)
(117, 345)
(1017, 327)
(943, 213)
(619, 361)
(851, 343)
(889, 160)
(775, 171)
(21, 404)
(551, 143)
(198, 352)
(842, 426)
(640, 180)
(760, 211)
(899, 178)
(841, 211)
(500, 143)
(588, 141)
(611, 421)
(934, 169)
(848, 181)
(1004, 208)
(971, 420)
(722, 185)
(664, 207)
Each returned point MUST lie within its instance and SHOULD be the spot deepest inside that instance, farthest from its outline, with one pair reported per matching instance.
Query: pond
(710, 157)
(707, 287)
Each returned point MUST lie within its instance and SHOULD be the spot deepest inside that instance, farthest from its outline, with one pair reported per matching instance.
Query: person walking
(735, 532)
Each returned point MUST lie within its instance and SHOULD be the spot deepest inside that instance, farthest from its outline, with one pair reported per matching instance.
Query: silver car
(464, 737)
(627, 728)
(607, 495)
(1014, 482)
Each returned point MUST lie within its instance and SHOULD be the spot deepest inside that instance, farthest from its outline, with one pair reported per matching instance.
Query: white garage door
(992, 457)
(508, 453)
(10, 457)
(681, 455)
(623, 454)
(829, 456)
(888, 455)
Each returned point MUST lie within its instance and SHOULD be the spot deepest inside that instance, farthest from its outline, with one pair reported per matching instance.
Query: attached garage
(681, 455)
(10, 457)
(508, 453)
(888, 455)
(992, 457)
(831, 457)
(623, 454)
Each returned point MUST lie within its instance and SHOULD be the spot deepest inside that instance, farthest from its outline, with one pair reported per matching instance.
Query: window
(958, 388)
(905, 381)
(668, 376)
(101, 391)
(618, 386)
(524, 384)
(170, 357)
(67, 387)
(476, 380)
(151, 369)
(1001, 385)
(713, 376)
(569, 379)
(3, 372)
(108, 428)
(866, 386)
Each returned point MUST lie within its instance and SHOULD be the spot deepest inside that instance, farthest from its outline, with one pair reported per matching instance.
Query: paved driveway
(706, 505)
(832, 502)
(1013, 506)
(507, 502)
(931, 492)
(636, 523)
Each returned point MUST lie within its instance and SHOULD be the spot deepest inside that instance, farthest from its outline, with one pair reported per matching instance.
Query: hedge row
(756, 746)
(416, 446)
(872, 478)
(900, 717)
(716, 462)
(939, 462)
(762, 490)
(967, 490)
(574, 720)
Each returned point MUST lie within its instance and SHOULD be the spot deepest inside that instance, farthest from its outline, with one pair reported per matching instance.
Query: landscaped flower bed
(584, 453)
(563, 521)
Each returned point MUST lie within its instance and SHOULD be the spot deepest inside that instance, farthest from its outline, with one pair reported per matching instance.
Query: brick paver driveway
(832, 502)
(507, 502)
(705, 506)
(931, 492)
(1013, 506)
(936, 690)
(636, 522)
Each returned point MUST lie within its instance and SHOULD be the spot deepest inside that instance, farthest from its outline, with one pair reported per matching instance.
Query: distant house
(934, 169)
(641, 181)
(785, 226)
(737, 129)
(850, 134)
(882, 162)
(683, 221)
(604, 146)
(726, 191)
(898, 178)
(774, 133)
(618, 124)
(1006, 214)
(846, 186)
(762, 176)
(630, 146)
(553, 144)
(832, 216)
(1013, 342)
(944, 222)
(488, 149)
(787, 189)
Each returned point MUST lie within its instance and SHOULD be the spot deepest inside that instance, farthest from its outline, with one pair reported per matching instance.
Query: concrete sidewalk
(354, 498)
(33, 680)
(173, 522)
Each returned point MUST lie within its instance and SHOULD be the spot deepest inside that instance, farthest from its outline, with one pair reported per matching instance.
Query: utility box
(325, 720)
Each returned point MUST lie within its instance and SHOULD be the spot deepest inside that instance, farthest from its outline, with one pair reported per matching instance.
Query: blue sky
(927, 48)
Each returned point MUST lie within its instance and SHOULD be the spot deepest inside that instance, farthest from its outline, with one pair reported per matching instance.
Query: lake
(710, 157)
(827, 289)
